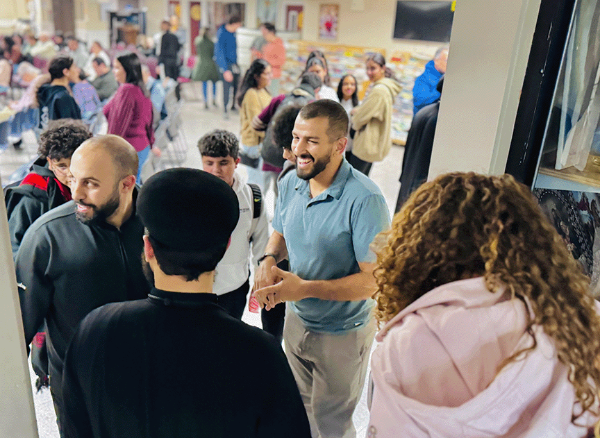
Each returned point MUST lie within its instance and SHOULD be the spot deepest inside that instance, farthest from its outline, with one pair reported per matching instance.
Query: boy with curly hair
(46, 186)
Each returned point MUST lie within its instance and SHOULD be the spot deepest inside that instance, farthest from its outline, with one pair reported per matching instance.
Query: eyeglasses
(63, 169)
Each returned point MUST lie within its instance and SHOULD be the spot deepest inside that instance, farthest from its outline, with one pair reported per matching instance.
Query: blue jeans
(205, 90)
(142, 157)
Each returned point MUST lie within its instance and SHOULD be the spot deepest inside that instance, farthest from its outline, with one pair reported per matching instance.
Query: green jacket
(205, 68)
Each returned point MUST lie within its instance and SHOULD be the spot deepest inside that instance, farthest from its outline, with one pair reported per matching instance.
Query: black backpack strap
(257, 200)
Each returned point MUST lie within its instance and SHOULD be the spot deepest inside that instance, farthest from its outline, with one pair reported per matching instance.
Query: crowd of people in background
(336, 267)
(91, 82)
(30, 65)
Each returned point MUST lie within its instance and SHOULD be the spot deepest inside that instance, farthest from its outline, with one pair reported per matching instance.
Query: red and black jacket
(38, 193)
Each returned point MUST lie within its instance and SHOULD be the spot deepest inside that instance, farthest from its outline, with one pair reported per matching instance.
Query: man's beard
(148, 273)
(100, 214)
(318, 167)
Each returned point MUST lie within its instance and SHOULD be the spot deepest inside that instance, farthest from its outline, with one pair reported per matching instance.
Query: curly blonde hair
(463, 225)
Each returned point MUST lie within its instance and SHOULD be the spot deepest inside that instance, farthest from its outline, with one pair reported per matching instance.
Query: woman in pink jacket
(489, 328)
(129, 112)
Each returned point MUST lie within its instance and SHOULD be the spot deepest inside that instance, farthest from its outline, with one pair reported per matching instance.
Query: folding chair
(4, 131)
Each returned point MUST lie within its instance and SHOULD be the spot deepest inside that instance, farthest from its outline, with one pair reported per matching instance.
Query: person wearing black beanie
(176, 364)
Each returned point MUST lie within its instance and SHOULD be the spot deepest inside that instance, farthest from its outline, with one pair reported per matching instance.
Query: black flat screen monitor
(426, 21)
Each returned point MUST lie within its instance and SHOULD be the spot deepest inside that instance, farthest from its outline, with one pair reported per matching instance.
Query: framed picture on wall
(328, 21)
(195, 23)
(175, 8)
(219, 13)
(266, 12)
(293, 17)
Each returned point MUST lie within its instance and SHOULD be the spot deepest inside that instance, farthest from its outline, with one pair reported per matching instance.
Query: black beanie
(188, 209)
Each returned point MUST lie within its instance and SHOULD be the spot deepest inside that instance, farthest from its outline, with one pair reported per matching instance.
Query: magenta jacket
(129, 115)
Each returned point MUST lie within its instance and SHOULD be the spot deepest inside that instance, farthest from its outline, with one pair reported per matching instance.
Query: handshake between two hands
(273, 286)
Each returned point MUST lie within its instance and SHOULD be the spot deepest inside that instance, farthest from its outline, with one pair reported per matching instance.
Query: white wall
(17, 416)
(90, 26)
(372, 26)
(489, 49)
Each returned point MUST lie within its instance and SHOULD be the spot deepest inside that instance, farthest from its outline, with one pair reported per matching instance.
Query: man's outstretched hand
(290, 287)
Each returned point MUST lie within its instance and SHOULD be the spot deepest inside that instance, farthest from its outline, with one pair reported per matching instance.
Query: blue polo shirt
(327, 236)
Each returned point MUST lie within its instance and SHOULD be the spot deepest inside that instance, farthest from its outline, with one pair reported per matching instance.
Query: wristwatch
(265, 255)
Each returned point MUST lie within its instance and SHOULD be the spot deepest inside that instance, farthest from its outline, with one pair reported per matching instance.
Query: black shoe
(215, 104)
(206, 105)
(18, 144)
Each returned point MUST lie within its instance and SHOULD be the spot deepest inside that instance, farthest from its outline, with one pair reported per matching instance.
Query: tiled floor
(198, 121)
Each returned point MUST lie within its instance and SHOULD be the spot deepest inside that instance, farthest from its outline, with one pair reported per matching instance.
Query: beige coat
(372, 121)
(254, 102)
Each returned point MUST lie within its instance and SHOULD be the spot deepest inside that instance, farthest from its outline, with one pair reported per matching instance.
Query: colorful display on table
(351, 59)
(407, 66)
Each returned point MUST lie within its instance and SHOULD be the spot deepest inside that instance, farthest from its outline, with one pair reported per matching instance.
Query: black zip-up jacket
(169, 48)
(67, 269)
(56, 103)
(29, 199)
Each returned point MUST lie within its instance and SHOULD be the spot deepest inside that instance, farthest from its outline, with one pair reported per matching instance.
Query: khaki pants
(330, 372)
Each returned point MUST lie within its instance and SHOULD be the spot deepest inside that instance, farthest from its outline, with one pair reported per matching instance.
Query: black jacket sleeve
(37, 289)
(24, 213)
(284, 414)
(76, 419)
(169, 47)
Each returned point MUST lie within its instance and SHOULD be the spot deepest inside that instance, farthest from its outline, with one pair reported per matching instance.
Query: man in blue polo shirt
(326, 217)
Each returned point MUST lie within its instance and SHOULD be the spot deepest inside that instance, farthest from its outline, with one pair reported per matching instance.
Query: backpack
(256, 206)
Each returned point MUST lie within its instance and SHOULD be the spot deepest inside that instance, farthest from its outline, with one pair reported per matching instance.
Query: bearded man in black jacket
(85, 253)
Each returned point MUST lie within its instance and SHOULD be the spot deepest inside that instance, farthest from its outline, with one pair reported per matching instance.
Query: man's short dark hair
(167, 22)
(98, 60)
(58, 64)
(333, 112)
(60, 139)
(234, 19)
(283, 125)
(219, 143)
(311, 79)
(189, 264)
(270, 27)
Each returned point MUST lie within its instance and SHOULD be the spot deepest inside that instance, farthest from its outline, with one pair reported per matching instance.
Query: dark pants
(227, 88)
(171, 68)
(358, 164)
(57, 409)
(273, 320)
(235, 301)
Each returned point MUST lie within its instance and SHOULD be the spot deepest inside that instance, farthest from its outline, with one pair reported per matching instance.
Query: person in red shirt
(274, 53)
